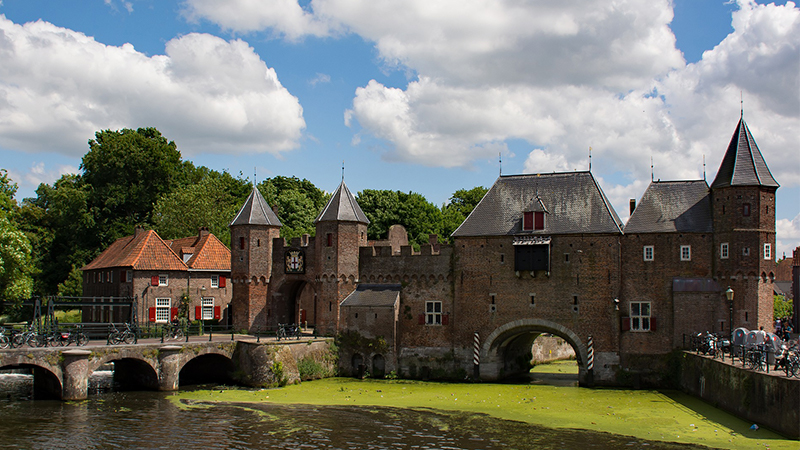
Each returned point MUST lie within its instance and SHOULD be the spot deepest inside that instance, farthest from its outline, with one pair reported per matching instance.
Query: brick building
(157, 273)
(540, 253)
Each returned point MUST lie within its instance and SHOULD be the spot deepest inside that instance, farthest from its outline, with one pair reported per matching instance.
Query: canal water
(153, 420)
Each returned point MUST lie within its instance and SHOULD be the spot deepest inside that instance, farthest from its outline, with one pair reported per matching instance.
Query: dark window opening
(532, 257)
(330, 239)
(574, 299)
(258, 242)
(241, 243)
(533, 299)
(746, 209)
(493, 298)
(566, 257)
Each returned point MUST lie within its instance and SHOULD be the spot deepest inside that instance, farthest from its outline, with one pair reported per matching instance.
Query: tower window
(767, 251)
(329, 237)
(746, 209)
(723, 250)
(241, 243)
(648, 251)
(686, 252)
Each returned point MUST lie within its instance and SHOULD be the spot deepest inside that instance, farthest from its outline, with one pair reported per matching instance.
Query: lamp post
(729, 296)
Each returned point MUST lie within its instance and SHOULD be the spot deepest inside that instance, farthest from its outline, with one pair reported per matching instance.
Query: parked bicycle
(64, 338)
(5, 340)
(287, 331)
(115, 336)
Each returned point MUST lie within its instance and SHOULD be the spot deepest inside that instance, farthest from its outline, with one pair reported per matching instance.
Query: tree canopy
(16, 281)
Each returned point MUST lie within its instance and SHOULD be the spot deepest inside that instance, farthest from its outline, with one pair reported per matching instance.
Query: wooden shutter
(527, 221)
(652, 324)
(626, 324)
(151, 313)
(154, 280)
(539, 221)
(173, 314)
(198, 313)
(445, 319)
(221, 281)
(217, 313)
(422, 319)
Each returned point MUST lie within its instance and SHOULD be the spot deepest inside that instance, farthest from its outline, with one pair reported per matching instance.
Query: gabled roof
(143, 251)
(208, 252)
(575, 204)
(256, 211)
(743, 164)
(374, 295)
(342, 207)
(673, 206)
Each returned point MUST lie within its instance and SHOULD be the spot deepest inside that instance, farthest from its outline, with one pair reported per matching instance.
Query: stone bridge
(64, 373)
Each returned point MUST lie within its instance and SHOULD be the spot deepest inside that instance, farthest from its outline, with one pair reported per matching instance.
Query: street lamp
(729, 296)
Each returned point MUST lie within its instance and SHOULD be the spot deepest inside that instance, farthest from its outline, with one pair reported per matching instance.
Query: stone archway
(294, 302)
(505, 349)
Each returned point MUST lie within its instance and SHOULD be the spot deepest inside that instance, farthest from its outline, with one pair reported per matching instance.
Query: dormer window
(532, 220)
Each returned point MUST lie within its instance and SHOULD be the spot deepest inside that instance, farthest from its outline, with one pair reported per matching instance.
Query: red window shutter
(217, 312)
(173, 313)
(445, 319)
(652, 324)
(626, 324)
(527, 221)
(422, 319)
(539, 222)
(152, 313)
(221, 281)
(154, 280)
(198, 312)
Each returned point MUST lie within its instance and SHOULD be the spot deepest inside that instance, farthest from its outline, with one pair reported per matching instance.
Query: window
(433, 313)
(767, 251)
(528, 258)
(128, 276)
(640, 316)
(686, 252)
(214, 281)
(746, 251)
(723, 250)
(538, 220)
(329, 238)
(746, 209)
(163, 280)
(648, 252)
(527, 221)
(162, 309)
(533, 220)
(208, 308)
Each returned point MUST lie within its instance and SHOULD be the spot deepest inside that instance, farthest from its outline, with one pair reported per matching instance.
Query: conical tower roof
(256, 211)
(342, 207)
(743, 164)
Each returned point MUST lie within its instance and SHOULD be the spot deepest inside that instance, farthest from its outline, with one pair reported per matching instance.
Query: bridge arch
(47, 379)
(504, 350)
(207, 367)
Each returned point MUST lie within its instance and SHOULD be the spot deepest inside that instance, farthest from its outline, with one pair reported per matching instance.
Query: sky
(429, 96)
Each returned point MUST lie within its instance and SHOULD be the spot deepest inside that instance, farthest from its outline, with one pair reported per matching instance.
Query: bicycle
(173, 332)
(64, 338)
(116, 337)
(5, 341)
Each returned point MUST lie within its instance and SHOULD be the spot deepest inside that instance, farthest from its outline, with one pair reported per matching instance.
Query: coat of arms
(294, 262)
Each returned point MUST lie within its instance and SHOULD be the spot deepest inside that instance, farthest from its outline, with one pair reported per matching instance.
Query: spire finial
(342, 171)
(741, 102)
(651, 169)
(704, 167)
(590, 158)
(255, 181)
(500, 160)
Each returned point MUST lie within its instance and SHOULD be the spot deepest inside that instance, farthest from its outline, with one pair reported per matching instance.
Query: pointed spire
(256, 211)
(342, 207)
(743, 164)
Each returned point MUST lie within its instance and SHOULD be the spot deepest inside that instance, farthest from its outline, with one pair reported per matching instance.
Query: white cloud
(38, 174)
(788, 234)
(58, 86)
(320, 78)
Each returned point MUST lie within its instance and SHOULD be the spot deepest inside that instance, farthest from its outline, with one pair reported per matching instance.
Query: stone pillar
(75, 369)
(169, 359)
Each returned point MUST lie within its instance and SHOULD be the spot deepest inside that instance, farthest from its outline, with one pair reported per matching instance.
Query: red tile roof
(147, 251)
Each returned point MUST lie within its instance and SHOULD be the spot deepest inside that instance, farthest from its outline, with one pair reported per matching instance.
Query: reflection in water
(150, 420)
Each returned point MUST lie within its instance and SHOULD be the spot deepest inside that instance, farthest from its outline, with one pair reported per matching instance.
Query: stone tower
(252, 232)
(743, 205)
(341, 228)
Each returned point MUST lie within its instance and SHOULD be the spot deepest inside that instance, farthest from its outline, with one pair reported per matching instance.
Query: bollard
(210, 334)
(231, 334)
(258, 336)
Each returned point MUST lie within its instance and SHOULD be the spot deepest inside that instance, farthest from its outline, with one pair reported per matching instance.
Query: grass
(653, 415)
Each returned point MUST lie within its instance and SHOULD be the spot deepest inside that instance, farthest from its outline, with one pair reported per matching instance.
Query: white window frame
(163, 279)
(640, 316)
(686, 252)
(433, 313)
(207, 308)
(767, 250)
(214, 281)
(648, 252)
(723, 250)
(163, 309)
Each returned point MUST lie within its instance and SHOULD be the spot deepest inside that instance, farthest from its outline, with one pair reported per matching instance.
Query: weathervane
(590, 158)
(651, 169)
(500, 159)
(343, 171)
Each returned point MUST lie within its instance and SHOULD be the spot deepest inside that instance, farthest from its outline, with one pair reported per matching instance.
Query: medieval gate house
(540, 253)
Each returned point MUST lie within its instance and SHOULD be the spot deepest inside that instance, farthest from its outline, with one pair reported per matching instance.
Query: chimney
(138, 230)
(203, 231)
(633, 205)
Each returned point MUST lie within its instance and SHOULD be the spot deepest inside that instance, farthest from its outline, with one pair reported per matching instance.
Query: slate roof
(673, 206)
(573, 201)
(256, 211)
(743, 164)
(374, 295)
(147, 251)
(342, 207)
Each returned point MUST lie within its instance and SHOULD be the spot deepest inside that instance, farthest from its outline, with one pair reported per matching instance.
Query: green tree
(464, 201)
(386, 208)
(297, 203)
(73, 285)
(16, 281)
(212, 202)
(127, 172)
(782, 307)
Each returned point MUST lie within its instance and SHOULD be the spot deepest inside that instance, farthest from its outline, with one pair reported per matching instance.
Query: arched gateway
(506, 351)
